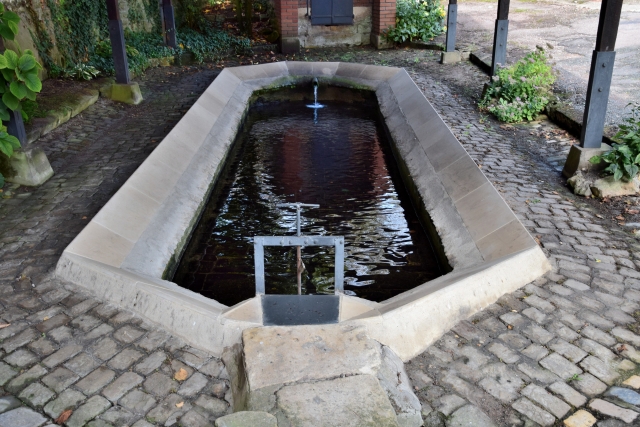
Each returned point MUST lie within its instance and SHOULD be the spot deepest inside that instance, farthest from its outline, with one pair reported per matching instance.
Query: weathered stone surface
(470, 415)
(394, 380)
(193, 385)
(581, 418)
(247, 419)
(560, 366)
(215, 407)
(172, 404)
(542, 417)
(96, 380)
(612, 410)
(121, 385)
(608, 187)
(301, 353)
(88, 411)
(352, 401)
(589, 385)
(568, 394)
(138, 402)
(599, 369)
(151, 363)
(625, 394)
(68, 399)
(36, 395)
(8, 403)
(26, 378)
(60, 379)
(633, 381)
(22, 417)
(552, 404)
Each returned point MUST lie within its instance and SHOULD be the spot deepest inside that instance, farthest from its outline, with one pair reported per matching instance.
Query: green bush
(624, 158)
(520, 91)
(417, 20)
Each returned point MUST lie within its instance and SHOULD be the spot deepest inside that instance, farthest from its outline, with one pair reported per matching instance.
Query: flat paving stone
(246, 419)
(88, 411)
(22, 417)
(470, 415)
(36, 395)
(611, 410)
(121, 385)
(68, 399)
(96, 380)
(580, 418)
(354, 401)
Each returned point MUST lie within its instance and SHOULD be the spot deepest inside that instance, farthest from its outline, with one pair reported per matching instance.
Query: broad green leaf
(13, 27)
(11, 17)
(33, 82)
(15, 142)
(31, 94)
(5, 147)
(617, 174)
(1, 177)
(19, 90)
(637, 160)
(1, 8)
(7, 74)
(3, 62)
(10, 101)
(595, 160)
(26, 63)
(12, 59)
(4, 113)
(6, 32)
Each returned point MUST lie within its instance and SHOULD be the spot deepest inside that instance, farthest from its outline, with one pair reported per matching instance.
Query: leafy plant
(417, 20)
(18, 80)
(81, 72)
(624, 158)
(520, 91)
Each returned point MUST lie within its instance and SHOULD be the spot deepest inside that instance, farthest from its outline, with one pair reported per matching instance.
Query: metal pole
(595, 109)
(299, 265)
(499, 55)
(118, 46)
(452, 19)
(169, 24)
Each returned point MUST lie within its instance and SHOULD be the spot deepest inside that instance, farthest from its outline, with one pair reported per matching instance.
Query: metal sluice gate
(299, 309)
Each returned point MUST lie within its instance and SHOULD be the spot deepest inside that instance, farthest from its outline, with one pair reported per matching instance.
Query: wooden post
(169, 24)
(118, 46)
(595, 109)
(452, 19)
(499, 55)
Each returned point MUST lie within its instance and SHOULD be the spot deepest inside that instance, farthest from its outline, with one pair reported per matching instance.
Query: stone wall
(335, 35)
(35, 12)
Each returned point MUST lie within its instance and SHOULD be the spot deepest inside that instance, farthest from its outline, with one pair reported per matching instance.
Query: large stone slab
(356, 401)
(307, 353)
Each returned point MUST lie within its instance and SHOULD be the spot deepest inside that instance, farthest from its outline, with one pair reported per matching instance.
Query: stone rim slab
(125, 253)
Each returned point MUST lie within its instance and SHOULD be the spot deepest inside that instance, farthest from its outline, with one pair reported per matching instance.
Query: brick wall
(384, 15)
(287, 14)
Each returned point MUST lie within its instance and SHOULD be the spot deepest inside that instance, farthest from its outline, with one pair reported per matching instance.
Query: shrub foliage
(417, 20)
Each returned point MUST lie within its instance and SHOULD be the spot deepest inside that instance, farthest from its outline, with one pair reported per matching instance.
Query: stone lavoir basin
(130, 248)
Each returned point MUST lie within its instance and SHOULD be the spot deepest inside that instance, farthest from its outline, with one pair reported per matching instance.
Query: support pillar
(602, 61)
(122, 90)
(450, 54)
(169, 24)
(16, 128)
(287, 14)
(118, 47)
(499, 54)
(383, 16)
(595, 109)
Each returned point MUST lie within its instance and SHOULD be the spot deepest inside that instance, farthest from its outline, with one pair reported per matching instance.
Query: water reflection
(340, 163)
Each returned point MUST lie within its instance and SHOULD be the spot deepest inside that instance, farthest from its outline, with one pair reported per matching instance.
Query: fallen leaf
(633, 211)
(597, 260)
(46, 318)
(4, 325)
(509, 327)
(181, 375)
(179, 404)
(620, 218)
(64, 417)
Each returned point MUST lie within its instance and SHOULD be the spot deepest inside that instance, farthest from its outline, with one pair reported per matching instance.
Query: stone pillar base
(380, 42)
(578, 160)
(127, 93)
(26, 167)
(289, 45)
(451, 57)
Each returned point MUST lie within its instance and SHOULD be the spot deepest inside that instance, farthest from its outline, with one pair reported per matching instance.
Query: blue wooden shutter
(332, 12)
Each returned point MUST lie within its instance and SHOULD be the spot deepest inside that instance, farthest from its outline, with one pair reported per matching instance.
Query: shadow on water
(338, 157)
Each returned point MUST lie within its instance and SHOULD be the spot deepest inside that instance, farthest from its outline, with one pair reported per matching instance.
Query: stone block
(552, 404)
(451, 57)
(121, 385)
(96, 380)
(470, 415)
(633, 381)
(36, 395)
(28, 166)
(137, 402)
(22, 417)
(301, 354)
(580, 418)
(356, 401)
(247, 419)
(380, 42)
(91, 409)
(121, 92)
(540, 416)
(611, 410)
(567, 393)
(8, 403)
(68, 399)
(578, 160)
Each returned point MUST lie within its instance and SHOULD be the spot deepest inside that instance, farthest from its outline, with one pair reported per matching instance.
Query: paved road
(536, 355)
(570, 28)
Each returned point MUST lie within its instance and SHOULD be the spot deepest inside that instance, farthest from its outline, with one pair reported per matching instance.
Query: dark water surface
(339, 159)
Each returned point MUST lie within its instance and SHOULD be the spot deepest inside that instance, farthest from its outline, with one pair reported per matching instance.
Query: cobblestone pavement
(564, 342)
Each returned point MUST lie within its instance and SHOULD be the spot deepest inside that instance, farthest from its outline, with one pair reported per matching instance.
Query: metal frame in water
(259, 242)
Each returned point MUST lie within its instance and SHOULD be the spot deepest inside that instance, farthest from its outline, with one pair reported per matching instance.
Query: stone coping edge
(132, 244)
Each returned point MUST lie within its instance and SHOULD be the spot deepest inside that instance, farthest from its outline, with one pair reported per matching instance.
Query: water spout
(315, 104)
